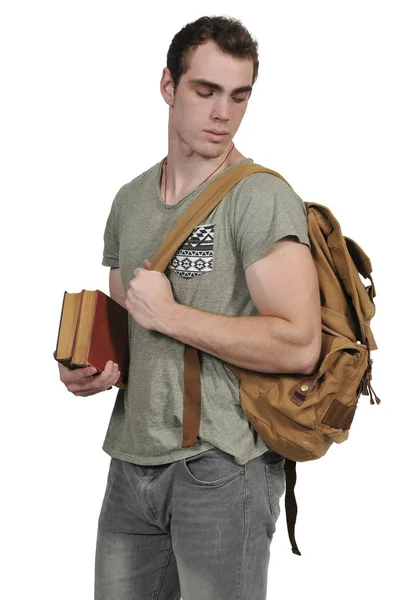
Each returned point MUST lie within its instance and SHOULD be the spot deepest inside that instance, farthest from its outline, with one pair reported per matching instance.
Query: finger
(109, 376)
(115, 378)
(110, 379)
(87, 371)
(73, 375)
(99, 383)
(105, 379)
(115, 374)
(89, 382)
(100, 380)
(81, 374)
(108, 368)
(147, 264)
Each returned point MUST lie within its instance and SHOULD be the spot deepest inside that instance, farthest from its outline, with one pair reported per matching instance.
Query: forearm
(260, 343)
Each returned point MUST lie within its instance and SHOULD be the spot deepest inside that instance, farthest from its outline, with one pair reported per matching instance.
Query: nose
(221, 109)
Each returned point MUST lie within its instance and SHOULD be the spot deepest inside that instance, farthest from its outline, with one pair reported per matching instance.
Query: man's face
(211, 97)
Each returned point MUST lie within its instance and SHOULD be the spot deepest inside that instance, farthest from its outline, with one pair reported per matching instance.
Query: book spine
(60, 321)
(67, 329)
(81, 346)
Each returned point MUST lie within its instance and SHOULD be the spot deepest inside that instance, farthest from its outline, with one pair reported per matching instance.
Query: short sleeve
(266, 210)
(110, 256)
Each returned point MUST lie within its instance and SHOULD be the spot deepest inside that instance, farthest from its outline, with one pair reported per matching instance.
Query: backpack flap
(337, 314)
(346, 260)
(350, 261)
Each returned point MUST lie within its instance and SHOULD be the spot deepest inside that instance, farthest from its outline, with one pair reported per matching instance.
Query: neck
(186, 170)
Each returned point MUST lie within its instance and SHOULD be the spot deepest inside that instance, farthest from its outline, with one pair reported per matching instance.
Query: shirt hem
(257, 452)
(259, 254)
(160, 460)
(110, 263)
(180, 455)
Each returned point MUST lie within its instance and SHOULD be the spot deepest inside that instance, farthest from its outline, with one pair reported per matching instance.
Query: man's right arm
(116, 287)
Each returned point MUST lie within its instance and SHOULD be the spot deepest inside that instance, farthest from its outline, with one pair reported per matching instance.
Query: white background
(82, 115)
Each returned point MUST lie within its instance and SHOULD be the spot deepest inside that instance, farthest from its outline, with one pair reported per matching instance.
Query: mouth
(216, 132)
(216, 135)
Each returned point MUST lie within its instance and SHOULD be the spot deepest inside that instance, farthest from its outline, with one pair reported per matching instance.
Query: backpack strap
(290, 502)
(192, 217)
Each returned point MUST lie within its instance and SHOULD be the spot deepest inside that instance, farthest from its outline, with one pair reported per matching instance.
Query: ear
(167, 87)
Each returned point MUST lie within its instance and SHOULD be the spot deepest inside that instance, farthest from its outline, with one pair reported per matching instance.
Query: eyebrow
(220, 88)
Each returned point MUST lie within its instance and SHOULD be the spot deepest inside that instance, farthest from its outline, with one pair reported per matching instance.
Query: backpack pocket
(300, 416)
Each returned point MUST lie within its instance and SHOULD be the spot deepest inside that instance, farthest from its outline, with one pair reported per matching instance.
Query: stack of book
(93, 329)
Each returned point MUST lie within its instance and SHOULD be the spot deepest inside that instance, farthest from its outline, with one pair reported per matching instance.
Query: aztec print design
(195, 256)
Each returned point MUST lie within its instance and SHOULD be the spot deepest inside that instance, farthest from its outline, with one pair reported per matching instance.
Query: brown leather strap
(290, 502)
(191, 416)
(339, 415)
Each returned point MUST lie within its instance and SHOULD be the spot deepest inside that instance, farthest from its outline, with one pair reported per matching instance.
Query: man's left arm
(284, 338)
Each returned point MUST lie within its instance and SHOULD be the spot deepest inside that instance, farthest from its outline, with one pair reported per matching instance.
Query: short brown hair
(229, 34)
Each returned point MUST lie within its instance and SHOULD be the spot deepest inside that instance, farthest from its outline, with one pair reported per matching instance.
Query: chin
(212, 150)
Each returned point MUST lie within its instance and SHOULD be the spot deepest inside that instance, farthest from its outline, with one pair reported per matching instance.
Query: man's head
(229, 34)
(211, 67)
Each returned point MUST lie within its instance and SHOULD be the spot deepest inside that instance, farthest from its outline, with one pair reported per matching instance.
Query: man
(198, 520)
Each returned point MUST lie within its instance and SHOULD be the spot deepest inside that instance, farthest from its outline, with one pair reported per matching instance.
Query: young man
(198, 520)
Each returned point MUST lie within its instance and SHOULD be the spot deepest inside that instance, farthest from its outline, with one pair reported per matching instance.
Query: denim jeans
(199, 528)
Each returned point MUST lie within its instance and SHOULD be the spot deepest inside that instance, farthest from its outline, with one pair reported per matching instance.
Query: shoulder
(264, 191)
(148, 177)
(136, 187)
(266, 182)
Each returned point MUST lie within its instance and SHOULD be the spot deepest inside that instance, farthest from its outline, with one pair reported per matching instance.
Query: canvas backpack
(298, 416)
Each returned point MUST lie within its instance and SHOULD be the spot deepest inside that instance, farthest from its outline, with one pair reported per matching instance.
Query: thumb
(147, 264)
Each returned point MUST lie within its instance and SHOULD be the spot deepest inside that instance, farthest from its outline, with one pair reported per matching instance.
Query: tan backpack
(298, 416)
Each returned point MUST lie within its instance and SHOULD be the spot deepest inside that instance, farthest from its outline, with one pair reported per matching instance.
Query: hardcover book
(93, 329)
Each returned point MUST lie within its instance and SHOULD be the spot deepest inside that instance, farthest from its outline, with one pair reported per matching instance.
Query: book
(93, 329)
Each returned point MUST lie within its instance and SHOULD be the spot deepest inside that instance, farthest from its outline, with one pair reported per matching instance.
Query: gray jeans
(199, 528)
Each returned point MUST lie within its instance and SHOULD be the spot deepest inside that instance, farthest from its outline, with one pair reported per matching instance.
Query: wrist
(169, 321)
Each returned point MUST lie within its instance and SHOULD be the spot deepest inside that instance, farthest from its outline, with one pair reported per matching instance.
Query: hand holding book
(86, 382)
(92, 338)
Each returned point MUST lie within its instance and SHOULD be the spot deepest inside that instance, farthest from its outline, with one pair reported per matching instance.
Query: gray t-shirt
(208, 273)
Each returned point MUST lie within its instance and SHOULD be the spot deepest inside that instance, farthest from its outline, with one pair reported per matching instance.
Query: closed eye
(205, 95)
(210, 94)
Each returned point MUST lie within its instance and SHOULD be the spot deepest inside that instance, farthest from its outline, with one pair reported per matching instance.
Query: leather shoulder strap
(201, 208)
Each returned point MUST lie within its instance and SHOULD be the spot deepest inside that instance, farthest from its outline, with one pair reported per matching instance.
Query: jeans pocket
(275, 474)
(212, 468)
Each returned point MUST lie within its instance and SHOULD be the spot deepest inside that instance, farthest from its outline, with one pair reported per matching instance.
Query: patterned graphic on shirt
(195, 256)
